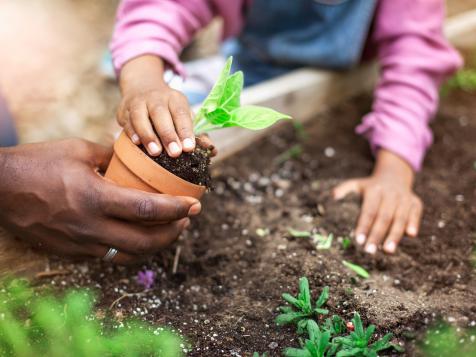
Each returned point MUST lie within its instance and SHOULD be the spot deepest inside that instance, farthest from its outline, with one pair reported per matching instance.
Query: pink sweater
(407, 36)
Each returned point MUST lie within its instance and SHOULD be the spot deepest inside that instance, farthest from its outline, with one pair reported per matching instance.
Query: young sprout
(222, 107)
(317, 345)
(358, 343)
(305, 309)
(357, 269)
(346, 243)
(318, 240)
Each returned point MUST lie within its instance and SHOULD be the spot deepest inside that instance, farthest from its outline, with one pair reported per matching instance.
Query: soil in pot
(190, 166)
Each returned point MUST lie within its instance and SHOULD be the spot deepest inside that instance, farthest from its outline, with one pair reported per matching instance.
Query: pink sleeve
(158, 27)
(414, 58)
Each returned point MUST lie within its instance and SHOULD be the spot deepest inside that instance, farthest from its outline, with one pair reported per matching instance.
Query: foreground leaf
(357, 269)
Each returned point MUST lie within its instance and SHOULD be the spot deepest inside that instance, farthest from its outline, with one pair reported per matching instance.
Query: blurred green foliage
(447, 341)
(34, 323)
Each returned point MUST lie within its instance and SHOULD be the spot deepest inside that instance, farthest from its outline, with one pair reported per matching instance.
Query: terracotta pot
(131, 167)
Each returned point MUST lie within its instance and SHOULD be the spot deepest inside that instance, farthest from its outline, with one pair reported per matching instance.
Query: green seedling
(257, 354)
(222, 107)
(447, 341)
(317, 345)
(346, 243)
(464, 79)
(358, 343)
(335, 325)
(318, 240)
(293, 152)
(41, 324)
(302, 309)
(356, 269)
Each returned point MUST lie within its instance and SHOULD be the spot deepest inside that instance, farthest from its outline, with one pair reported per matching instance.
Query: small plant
(305, 308)
(464, 79)
(346, 243)
(318, 240)
(317, 345)
(257, 354)
(222, 107)
(356, 269)
(358, 343)
(447, 341)
(41, 324)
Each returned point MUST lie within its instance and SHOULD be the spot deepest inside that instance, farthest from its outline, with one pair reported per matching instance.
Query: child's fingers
(164, 126)
(205, 142)
(347, 187)
(398, 227)
(414, 217)
(139, 118)
(131, 133)
(381, 225)
(368, 214)
(182, 118)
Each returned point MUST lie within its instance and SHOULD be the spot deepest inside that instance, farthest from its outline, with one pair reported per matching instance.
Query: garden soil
(235, 261)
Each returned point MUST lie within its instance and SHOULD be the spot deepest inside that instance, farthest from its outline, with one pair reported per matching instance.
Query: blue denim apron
(8, 135)
(281, 35)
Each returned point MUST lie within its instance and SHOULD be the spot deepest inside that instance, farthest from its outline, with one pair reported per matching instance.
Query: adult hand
(54, 198)
(390, 208)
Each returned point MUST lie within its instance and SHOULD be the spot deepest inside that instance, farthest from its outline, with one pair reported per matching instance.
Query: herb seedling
(293, 152)
(318, 240)
(36, 323)
(222, 107)
(316, 345)
(357, 269)
(305, 308)
(357, 343)
(257, 354)
(346, 243)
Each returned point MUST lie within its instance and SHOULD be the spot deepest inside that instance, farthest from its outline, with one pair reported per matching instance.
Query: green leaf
(230, 98)
(296, 352)
(346, 243)
(358, 326)
(292, 300)
(323, 297)
(290, 317)
(218, 117)
(254, 118)
(322, 242)
(213, 99)
(383, 343)
(298, 234)
(305, 294)
(357, 269)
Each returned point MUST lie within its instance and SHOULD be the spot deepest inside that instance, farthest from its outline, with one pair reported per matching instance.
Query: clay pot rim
(151, 172)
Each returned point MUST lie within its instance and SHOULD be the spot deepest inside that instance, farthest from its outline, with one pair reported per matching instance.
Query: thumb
(101, 155)
(347, 187)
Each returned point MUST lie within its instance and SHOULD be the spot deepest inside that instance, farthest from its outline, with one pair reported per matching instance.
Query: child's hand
(390, 208)
(148, 103)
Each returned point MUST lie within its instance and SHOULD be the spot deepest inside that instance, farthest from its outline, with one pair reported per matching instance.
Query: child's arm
(414, 58)
(149, 36)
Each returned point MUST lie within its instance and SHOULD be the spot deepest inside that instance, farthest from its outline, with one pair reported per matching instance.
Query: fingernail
(412, 231)
(174, 149)
(390, 247)
(153, 148)
(195, 209)
(186, 223)
(135, 139)
(371, 248)
(188, 144)
(360, 238)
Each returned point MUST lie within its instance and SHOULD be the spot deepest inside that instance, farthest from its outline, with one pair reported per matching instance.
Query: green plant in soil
(464, 79)
(447, 341)
(302, 308)
(358, 342)
(41, 324)
(319, 241)
(356, 269)
(331, 337)
(222, 107)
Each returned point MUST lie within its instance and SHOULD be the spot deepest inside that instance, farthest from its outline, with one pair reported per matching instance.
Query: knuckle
(156, 109)
(147, 210)
(142, 246)
(167, 134)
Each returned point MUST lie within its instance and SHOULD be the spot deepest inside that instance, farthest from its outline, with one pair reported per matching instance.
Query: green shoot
(320, 241)
(41, 324)
(358, 342)
(222, 107)
(446, 341)
(256, 354)
(317, 345)
(464, 79)
(293, 152)
(302, 308)
(356, 269)
(346, 243)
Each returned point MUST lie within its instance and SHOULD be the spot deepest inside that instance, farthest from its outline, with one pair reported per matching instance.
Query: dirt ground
(226, 289)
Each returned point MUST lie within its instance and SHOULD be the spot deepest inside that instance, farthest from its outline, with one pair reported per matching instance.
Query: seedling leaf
(298, 234)
(254, 118)
(357, 269)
